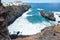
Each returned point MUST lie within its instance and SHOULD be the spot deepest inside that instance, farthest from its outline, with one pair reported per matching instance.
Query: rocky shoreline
(48, 33)
(15, 11)
(8, 14)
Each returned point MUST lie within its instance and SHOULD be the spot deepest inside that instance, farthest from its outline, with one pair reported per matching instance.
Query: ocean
(31, 22)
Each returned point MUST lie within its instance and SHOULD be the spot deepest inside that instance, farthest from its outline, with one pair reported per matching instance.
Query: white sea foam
(39, 9)
(25, 14)
(56, 15)
(27, 28)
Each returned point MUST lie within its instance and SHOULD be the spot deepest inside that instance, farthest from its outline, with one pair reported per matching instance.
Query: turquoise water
(48, 7)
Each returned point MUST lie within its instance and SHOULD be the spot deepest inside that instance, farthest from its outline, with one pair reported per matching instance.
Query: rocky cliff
(8, 14)
(15, 11)
(48, 15)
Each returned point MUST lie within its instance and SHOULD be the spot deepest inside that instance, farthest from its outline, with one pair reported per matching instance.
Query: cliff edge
(15, 10)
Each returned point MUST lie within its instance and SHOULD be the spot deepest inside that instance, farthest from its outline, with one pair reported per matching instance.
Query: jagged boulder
(48, 15)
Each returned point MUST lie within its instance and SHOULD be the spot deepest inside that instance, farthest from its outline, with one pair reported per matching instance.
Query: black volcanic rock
(15, 11)
(48, 15)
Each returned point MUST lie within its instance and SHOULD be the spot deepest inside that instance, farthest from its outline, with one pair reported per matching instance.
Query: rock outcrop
(15, 11)
(48, 15)
(51, 33)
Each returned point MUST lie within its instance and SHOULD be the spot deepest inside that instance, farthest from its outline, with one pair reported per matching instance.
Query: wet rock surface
(48, 15)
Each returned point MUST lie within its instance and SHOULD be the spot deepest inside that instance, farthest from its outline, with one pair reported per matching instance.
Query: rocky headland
(15, 10)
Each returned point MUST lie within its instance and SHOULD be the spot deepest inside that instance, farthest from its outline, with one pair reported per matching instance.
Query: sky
(34, 1)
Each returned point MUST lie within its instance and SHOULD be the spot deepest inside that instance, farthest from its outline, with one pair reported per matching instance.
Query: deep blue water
(48, 7)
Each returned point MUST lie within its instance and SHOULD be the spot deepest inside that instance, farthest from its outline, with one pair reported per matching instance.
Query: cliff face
(48, 15)
(15, 11)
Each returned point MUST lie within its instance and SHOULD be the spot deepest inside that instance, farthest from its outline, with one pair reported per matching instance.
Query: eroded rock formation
(15, 11)
(48, 15)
